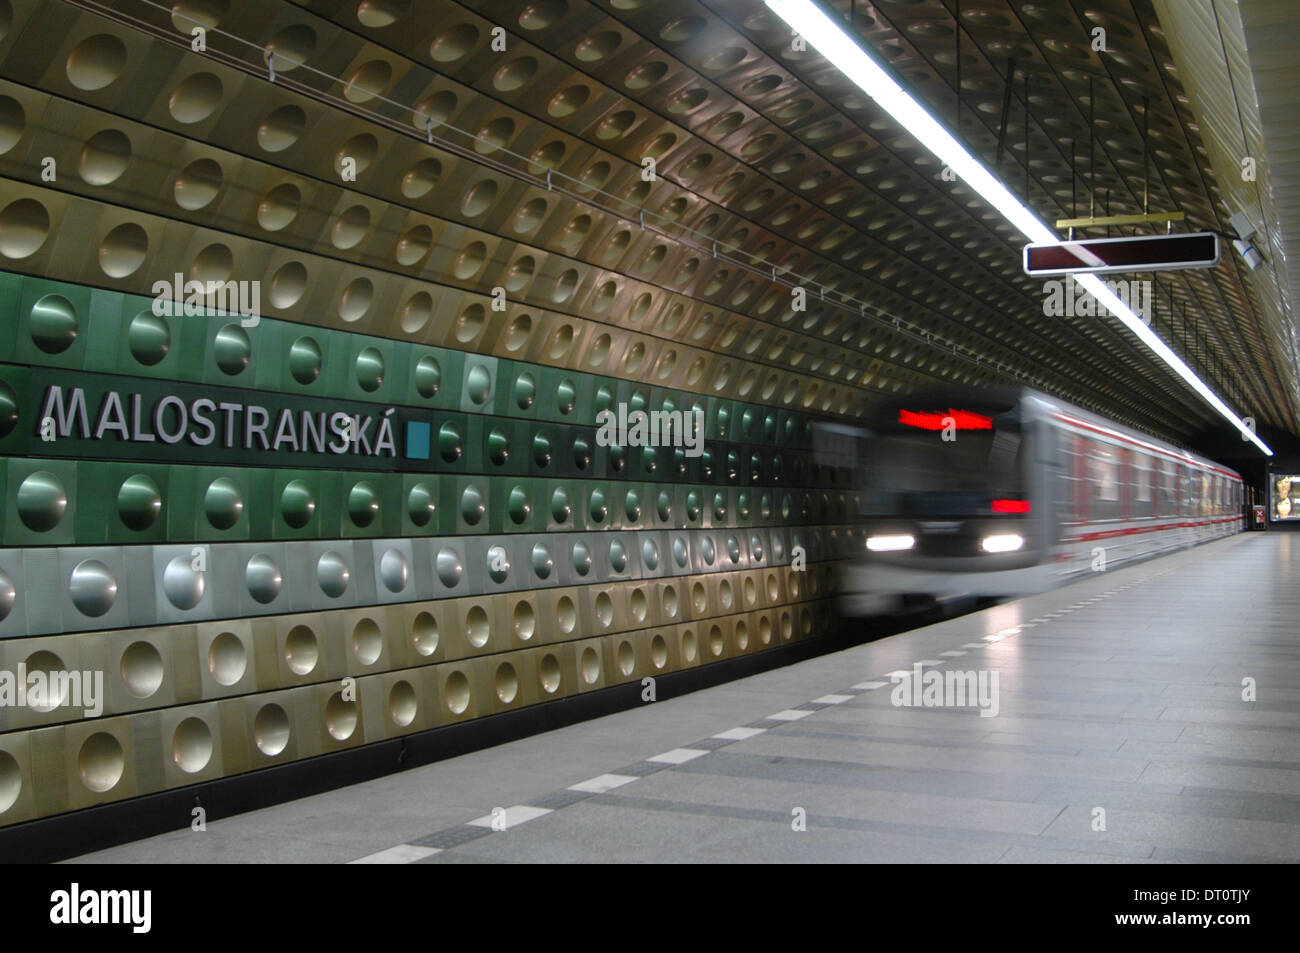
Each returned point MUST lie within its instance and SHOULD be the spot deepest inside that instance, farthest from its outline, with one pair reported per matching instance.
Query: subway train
(994, 494)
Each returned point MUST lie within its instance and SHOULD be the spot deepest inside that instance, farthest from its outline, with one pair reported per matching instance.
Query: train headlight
(1002, 543)
(890, 544)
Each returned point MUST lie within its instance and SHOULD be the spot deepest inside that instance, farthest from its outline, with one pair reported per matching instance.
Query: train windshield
(910, 470)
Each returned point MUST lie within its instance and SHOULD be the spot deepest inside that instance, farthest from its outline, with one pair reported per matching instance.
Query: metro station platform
(1121, 692)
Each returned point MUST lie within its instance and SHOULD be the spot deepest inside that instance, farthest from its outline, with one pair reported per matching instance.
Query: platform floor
(1121, 692)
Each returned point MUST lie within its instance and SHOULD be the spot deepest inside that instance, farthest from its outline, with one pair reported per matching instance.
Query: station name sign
(207, 422)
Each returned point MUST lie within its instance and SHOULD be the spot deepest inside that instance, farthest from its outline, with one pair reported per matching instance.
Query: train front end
(950, 502)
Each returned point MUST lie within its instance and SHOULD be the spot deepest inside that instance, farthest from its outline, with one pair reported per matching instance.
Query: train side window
(1142, 479)
(1105, 482)
(1170, 491)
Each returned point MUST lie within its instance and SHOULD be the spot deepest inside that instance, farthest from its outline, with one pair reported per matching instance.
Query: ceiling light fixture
(824, 33)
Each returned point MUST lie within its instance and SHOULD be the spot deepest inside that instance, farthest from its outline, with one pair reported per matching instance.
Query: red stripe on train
(1111, 533)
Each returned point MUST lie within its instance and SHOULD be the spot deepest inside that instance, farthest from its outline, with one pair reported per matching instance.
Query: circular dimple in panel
(424, 633)
(742, 635)
(305, 360)
(271, 729)
(524, 620)
(479, 199)
(414, 245)
(263, 579)
(356, 299)
(428, 376)
(279, 207)
(42, 501)
(617, 556)
(339, 717)
(350, 227)
(332, 574)
(751, 592)
(604, 609)
(367, 641)
(699, 598)
(669, 601)
(478, 384)
(370, 368)
(626, 658)
(381, 13)
(192, 745)
(363, 504)
(680, 553)
(394, 571)
(402, 703)
(227, 659)
(96, 62)
(148, 337)
(123, 250)
(104, 157)
(716, 642)
(590, 665)
(11, 778)
(288, 285)
(101, 762)
(596, 508)
(650, 554)
(450, 45)
(581, 558)
(690, 646)
(281, 129)
(506, 683)
(8, 594)
(638, 605)
(598, 46)
(787, 626)
(301, 650)
(182, 583)
(472, 505)
(518, 506)
(706, 550)
(469, 325)
(12, 123)
(361, 150)
(566, 614)
(764, 629)
(196, 98)
(421, 179)
(222, 504)
(92, 587)
(560, 510)
(197, 184)
(24, 224)
(542, 561)
(46, 663)
(498, 566)
(138, 502)
(455, 692)
(726, 598)
(550, 673)
(449, 567)
(659, 651)
(291, 46)
(420, 504)
(232, 349)
(297, 506)
(416, 312)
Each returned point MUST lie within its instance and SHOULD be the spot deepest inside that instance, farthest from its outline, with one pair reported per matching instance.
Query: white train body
(1079, 493)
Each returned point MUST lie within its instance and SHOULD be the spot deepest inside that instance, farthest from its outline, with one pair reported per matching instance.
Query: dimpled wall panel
(382, 506)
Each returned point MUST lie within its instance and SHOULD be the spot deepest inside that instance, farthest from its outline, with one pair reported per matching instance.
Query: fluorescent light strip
(827, 36)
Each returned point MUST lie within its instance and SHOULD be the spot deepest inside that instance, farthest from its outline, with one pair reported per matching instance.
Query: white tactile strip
(435, 843)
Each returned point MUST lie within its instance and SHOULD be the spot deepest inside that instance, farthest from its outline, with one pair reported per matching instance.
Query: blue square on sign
(417, 440)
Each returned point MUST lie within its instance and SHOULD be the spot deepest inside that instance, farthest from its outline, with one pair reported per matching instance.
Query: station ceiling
(770, 170)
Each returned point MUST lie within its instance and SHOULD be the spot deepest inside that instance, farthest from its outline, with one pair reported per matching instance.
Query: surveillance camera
(1240, 223)
(1249, 253)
